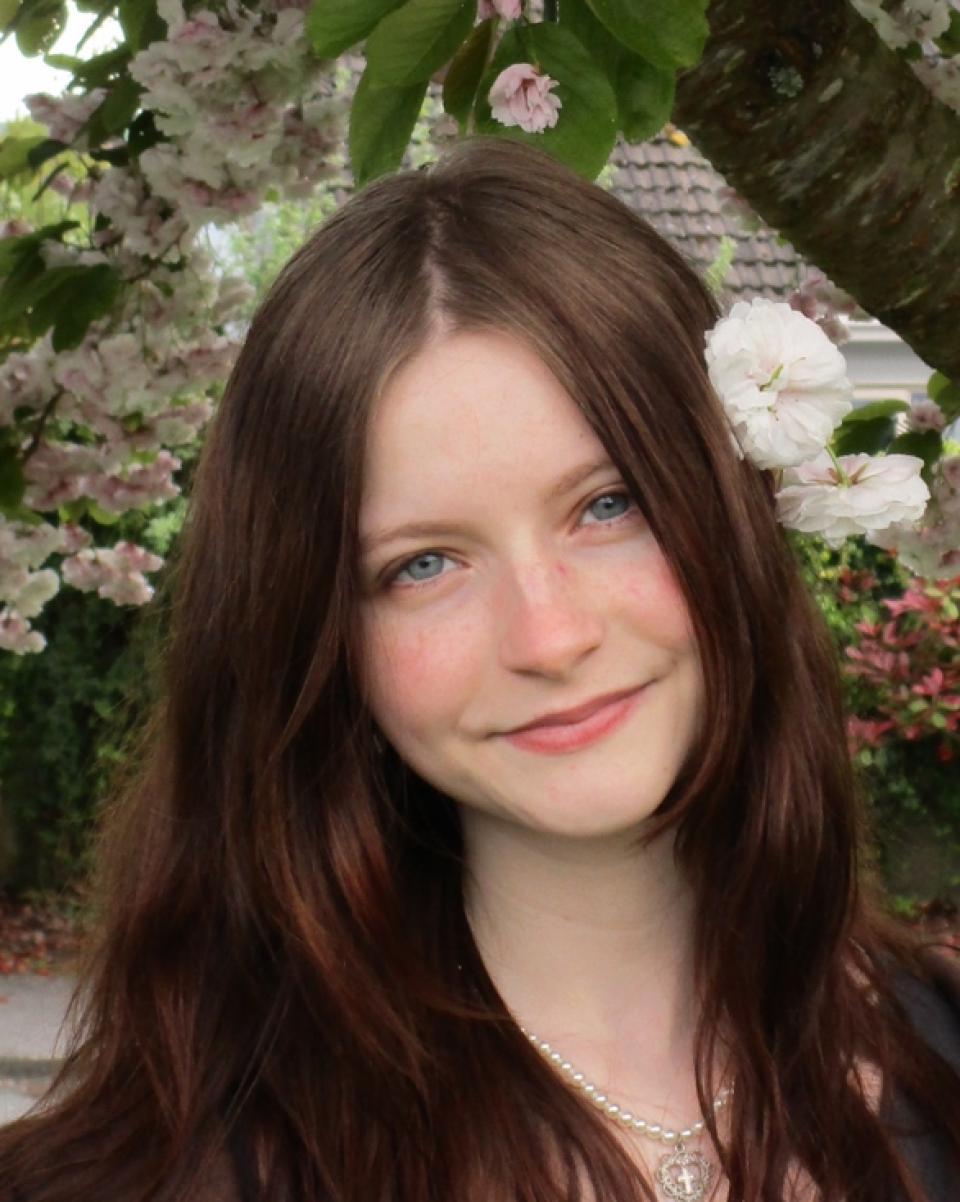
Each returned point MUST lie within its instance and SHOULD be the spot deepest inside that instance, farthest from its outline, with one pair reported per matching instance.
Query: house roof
(685, 199)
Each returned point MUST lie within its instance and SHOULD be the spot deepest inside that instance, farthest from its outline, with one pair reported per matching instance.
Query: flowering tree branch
(828, 133)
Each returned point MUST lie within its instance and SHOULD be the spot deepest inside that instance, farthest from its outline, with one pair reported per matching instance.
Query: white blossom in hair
(784, 388)
(782, 381)
(881, 490)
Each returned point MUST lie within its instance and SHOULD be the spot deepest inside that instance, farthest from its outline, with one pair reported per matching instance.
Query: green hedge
(65, 717)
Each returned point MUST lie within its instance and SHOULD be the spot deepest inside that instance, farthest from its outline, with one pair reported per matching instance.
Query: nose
(548, 621)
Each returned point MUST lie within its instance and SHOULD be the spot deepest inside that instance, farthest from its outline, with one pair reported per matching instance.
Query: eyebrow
(568, 481)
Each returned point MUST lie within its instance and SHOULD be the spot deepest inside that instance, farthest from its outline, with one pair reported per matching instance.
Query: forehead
(468, 406)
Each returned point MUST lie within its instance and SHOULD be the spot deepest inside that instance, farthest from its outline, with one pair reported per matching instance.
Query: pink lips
(571, 736)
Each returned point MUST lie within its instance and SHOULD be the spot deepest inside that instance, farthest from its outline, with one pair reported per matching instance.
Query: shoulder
(933, 1002)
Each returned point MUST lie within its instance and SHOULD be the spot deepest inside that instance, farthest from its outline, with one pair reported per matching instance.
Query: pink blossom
(25, 382)
(133, 558)
(114, 572)
(75, 538)
(25, 545)
(127, 590)
(508, 9)
(84, 571)
(521, 96)
(16, 635)
(138, 486)
(926, 415)
(64, 116)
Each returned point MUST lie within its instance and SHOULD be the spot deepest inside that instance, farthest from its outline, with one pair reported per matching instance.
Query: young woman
(495, 838)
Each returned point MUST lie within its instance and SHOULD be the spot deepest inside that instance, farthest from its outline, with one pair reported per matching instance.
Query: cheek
(418, 673)
(653, 597)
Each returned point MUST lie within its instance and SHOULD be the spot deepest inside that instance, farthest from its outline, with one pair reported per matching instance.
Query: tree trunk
(833, 140)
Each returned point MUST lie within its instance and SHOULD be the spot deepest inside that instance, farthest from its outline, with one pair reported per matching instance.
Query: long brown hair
(282, 947)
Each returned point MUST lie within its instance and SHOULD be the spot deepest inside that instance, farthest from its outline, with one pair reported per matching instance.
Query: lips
(553, 736)
(577, 713)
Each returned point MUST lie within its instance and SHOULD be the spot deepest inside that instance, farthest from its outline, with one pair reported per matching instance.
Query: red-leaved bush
(910, 667)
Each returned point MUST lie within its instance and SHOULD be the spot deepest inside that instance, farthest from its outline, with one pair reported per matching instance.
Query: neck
(588, 941)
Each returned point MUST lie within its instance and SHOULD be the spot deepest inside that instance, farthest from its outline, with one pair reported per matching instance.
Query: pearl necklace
(681, 1175)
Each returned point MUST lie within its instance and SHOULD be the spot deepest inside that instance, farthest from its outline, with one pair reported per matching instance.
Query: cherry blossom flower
(64, 116)
(236, 94)
(34, 592)
(16, 635)
(927, 415)
(879, 491)
(114, 573)
(520, 95)
(931, 548)
(782, 382)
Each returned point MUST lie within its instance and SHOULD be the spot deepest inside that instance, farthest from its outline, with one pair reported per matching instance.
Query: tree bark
(835, 143)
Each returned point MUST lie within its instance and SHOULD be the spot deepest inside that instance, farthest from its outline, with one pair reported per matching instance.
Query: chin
(572, 818)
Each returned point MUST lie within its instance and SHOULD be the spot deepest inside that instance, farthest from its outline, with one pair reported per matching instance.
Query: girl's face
(533, 586)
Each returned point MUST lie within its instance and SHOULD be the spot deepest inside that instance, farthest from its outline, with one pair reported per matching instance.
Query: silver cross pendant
(684, 1176)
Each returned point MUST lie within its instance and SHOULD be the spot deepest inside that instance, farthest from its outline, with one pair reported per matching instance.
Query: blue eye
(424, 557)
(411, 563)
(616, 496)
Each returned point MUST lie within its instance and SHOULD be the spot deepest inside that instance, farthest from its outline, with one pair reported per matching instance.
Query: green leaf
(48, 149)
(39, 25)
(668, 35)
(415, 41)
(716, 273)
(82, 302)
(140, 23)
(63, 62)
(12, 482)
(12, 250)
(645, 93)
(587, 122)
(103, 516)
(935, 385)
(645, 96)
(872, 409)
(103, 69)
(15, 154)
(466, 67)
(948, 398)
(29, 284)
(925, 444)
(335, 25)
(949, 41)
(117, 111)
(143, 133)
(381, 122)
(67, 298)
(862, 437)
(8, 10)
(73, 511)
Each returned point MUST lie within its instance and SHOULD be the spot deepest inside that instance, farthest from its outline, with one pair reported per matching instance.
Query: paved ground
(32, 1011)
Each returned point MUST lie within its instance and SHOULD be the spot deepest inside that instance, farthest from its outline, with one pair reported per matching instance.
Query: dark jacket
(935, 1013)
